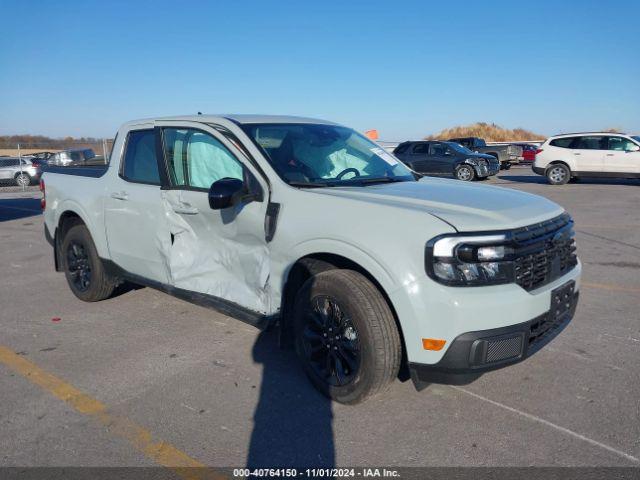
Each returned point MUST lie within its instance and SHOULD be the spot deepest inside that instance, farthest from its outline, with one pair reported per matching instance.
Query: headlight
(470, 260)
(472, 161)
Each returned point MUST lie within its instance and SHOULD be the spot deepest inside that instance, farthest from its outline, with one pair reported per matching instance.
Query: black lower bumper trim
(538, 170)
(473, 353)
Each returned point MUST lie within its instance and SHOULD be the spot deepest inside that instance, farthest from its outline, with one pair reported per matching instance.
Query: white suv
(575, 155)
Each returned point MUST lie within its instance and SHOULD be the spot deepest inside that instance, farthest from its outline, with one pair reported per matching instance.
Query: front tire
(82, 266)
(465, 173)
(558, 174)
(346, 336)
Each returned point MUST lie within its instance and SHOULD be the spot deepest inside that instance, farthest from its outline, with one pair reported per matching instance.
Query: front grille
(544, 252)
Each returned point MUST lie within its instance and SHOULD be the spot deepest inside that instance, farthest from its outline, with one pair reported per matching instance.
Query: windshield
(459, 148)
(325, 155)
(636, 138)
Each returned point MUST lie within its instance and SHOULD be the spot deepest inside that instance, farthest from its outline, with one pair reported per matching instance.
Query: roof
(588, 133)
(237, 118)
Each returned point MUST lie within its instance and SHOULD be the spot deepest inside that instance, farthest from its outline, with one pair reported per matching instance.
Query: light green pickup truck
(364, 265)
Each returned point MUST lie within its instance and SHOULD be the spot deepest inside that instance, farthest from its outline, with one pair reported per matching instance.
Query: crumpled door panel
(217, 252)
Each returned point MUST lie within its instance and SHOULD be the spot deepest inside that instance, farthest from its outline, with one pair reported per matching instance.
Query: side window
(590, 143)
(438, 149)
(140, 164)
(620, 144)
(562, 142)
(196, 159)
(421, 148)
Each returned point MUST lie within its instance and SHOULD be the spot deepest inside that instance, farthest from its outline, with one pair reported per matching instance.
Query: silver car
(21, 172)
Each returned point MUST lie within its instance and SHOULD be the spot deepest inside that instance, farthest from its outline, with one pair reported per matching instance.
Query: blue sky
(406, 68)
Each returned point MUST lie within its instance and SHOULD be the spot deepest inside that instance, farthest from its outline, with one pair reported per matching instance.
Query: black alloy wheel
(79, 266)
(330, 341)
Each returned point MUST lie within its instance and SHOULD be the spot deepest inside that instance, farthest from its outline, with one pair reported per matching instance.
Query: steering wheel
(347, 170)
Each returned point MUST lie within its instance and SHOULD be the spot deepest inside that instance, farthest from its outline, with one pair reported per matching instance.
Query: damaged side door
(222, 253)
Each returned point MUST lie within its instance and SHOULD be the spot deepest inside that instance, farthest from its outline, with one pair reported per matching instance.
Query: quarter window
(196, 159)
(562, 142)
(140, 163)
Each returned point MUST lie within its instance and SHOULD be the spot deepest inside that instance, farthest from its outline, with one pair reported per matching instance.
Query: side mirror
(226, 192)
(633, 148)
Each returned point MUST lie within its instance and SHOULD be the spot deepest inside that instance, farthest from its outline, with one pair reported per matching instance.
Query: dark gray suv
(446, 158)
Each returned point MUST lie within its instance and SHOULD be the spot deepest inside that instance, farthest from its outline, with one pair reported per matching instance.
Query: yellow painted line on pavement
(612, 288)
(141, 439)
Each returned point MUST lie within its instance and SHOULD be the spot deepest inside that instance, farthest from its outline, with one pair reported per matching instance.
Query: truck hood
(466, 206)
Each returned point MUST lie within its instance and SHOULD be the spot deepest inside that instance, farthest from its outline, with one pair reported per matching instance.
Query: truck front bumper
(429, 310)
(473, 353)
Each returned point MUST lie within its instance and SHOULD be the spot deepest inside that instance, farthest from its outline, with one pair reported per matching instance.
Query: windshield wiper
(311, 184)
(369, 181)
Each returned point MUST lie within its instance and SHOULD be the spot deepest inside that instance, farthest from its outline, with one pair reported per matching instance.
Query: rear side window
(562, 142)
(421, 148)
(590, 143)
(140, 163)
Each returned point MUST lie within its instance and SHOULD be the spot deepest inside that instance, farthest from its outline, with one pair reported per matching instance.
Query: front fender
(380, 272)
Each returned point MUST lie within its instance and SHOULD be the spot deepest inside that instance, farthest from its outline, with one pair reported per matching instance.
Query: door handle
(577, 154)
(120, 195)
(609, 154)
(186, 209)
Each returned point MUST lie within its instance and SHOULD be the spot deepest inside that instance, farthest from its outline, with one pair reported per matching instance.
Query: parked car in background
(600, 154)
(446, 158)
(73, 156)
(312, 224)
(528, 151)
(43, 156)
(19, 171)
(507, 155)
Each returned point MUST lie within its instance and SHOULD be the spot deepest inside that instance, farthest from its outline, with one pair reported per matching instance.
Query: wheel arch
(556, 162)
(67, 219)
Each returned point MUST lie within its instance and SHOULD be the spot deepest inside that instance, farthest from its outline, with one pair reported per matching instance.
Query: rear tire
(82, 266)
(346, 336)
(558, 174)
(22, 179)
(465, 173)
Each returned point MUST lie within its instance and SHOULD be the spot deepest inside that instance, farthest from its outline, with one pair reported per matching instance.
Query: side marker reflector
(433, 344)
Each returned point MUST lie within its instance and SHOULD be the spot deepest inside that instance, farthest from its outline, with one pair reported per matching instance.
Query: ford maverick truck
(363, 265)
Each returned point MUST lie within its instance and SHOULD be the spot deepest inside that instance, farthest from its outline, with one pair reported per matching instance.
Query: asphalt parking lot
(145, 379)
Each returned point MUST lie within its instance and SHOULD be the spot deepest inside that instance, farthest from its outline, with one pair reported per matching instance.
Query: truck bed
(95, 171)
